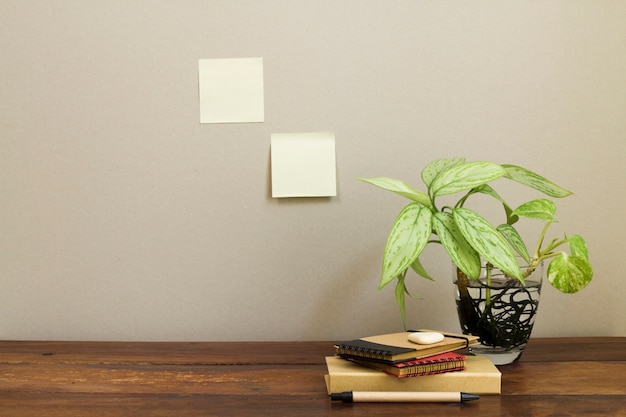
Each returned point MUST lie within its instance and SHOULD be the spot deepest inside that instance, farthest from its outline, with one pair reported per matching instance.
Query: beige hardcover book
(480, 377)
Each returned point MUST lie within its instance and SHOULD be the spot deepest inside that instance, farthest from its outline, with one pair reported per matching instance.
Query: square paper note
(231, 90)
(303, 165)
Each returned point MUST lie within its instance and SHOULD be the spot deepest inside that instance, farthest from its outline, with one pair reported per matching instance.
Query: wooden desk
(555, 377)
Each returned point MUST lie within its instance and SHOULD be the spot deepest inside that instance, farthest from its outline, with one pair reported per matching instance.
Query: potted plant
(497, 293)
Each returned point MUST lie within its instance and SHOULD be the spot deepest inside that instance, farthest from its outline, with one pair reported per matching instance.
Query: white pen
(402, 396)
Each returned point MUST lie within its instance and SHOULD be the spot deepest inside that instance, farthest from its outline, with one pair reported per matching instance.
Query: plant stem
(553, 245)
(541, 237)
(488, 269)
(471, 315)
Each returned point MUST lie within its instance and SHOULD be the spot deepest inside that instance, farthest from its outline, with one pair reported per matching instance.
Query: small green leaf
(578, 247)
(453, 241)
(408, 237)
(465, 177)
(488, 190)
(430, 172)
(419, 269)
(399, 187)
(536, 181)
(487, 241)
(400, 298)
(401, 292)
(541, 209)
(514, 239)
(569, 274)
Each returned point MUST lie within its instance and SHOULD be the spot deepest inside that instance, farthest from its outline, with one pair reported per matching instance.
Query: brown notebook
(396, 347)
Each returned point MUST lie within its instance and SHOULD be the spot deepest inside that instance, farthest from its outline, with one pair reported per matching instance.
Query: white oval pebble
(425, 338)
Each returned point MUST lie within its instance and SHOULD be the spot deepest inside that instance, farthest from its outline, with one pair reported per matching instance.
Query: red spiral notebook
(431, 365)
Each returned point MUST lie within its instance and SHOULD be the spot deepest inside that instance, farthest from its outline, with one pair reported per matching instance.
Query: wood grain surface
(555, 377)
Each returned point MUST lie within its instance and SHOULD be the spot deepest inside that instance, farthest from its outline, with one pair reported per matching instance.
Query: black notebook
(396, 347)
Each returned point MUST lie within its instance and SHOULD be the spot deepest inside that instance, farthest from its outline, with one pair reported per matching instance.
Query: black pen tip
(469, 397)
(341, 396)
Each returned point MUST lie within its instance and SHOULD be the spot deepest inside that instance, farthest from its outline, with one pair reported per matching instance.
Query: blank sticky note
(303, 165)
(231, 90)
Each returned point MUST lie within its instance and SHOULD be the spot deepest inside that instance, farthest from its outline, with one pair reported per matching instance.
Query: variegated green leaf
(541, 209)
(487, 241)
(465, 177)
(399, 187)
(569, 274)
(578, 247)
(455, 244)
(430, 172)
(408, 237)
(419, 269)
(515, 240)
(534, 180)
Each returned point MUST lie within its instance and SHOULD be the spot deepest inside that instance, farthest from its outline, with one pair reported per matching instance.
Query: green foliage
(487, 241)
(407, 240)
(454, 242)
(467, 237)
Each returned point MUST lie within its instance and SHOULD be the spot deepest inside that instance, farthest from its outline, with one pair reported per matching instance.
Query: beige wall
(122, 217)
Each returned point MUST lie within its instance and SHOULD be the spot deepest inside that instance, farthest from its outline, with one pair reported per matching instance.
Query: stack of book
(390, 362)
